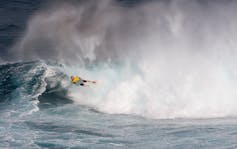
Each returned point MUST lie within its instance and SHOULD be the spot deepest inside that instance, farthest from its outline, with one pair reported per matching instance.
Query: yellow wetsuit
(75, 79)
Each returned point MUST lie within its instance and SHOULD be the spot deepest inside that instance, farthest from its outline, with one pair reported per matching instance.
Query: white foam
(163, 59)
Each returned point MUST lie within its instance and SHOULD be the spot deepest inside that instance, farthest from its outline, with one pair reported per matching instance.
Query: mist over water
(161, 59)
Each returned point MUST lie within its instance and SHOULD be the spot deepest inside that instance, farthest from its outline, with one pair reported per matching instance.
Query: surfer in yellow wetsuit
(80, 81)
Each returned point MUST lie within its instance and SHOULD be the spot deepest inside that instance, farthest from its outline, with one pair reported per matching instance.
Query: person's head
(72, 77)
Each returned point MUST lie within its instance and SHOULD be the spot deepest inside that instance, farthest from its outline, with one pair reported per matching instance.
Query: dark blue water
(13, 20)
(36, 110)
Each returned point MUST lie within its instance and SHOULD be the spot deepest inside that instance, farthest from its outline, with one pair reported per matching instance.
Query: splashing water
(157, 59)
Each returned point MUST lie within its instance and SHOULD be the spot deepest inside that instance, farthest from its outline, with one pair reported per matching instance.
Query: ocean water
(164, 79)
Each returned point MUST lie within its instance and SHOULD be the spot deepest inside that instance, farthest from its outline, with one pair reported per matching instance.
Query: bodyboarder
(79, 81)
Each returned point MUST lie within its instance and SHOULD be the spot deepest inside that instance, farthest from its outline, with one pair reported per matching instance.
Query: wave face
(23, 84)
(163, 59)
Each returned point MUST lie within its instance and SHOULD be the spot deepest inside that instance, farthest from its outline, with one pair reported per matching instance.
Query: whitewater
(166, 76)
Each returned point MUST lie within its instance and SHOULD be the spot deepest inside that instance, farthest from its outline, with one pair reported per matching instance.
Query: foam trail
(162, 59)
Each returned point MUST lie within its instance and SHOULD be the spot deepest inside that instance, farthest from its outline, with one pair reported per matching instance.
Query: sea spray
(162, 59)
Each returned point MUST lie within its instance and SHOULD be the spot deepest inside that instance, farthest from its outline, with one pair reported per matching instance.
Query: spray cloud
(178, 56)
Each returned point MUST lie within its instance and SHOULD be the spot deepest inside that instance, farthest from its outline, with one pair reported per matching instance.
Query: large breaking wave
(158, 59)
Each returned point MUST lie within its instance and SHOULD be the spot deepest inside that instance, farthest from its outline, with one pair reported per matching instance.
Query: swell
(27, 86)
(17, 76)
